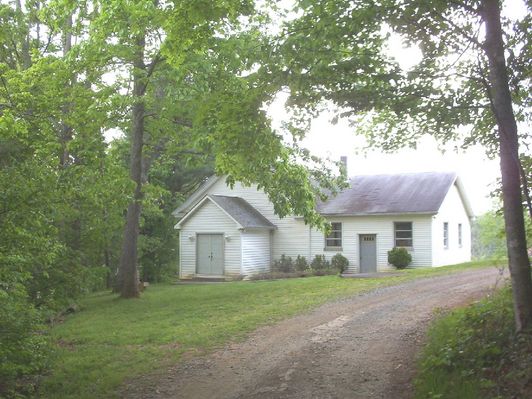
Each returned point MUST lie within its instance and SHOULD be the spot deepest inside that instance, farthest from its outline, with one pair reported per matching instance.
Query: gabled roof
(405, 193)
(242, 212)
(238, 209)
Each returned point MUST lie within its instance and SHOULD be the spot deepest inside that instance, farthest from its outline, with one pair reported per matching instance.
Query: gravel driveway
(360, 347)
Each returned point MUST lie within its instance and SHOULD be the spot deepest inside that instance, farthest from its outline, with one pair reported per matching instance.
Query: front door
(210, 260)
(368, 253)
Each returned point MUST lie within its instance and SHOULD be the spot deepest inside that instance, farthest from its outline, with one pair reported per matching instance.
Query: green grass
(111, 339)
(474, 353)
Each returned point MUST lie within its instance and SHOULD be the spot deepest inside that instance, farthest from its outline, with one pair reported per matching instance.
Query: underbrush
(474, 353)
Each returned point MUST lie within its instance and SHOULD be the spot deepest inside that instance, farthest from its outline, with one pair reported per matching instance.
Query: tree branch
(460, 30)
(151, 68)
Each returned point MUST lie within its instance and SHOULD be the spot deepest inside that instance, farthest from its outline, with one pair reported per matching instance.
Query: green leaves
(336, 52)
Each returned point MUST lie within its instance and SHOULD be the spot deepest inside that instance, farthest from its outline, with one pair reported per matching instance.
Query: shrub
(301, 263)
(339, 262)
(399, 257)
(319, 263)
(284, 265)
(23, 347)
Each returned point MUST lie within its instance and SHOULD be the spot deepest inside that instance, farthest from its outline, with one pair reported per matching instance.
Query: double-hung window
(334, 238)
(446, 235)
(460, 235)
(403, 234)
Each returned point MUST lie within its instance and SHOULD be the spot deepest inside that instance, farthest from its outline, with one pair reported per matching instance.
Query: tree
(192, 92)
(500, 97)
(463, 88)
(489, 240)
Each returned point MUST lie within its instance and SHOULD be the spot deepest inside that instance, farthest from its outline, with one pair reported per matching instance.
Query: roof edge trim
(199, 205)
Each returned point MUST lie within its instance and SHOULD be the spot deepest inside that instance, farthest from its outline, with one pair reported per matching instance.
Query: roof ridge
(406, 174)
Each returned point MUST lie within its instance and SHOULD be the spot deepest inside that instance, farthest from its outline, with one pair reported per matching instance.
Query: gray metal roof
(242, 212)
(391, 194)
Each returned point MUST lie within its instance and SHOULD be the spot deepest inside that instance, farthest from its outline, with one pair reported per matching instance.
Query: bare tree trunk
(510, 166)
(128, 278)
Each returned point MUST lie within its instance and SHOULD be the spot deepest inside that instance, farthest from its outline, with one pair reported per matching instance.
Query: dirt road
(360, 347)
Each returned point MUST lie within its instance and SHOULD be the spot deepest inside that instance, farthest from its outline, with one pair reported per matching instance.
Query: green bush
(301, 263)
(319, 263)
(284, 265)
(399, 257)
(339, 262)
(23, 347)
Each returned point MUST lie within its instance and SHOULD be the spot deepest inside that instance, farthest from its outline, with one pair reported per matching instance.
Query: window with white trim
(403, 234)
(334, 238)
(460, 235)
(446, 235)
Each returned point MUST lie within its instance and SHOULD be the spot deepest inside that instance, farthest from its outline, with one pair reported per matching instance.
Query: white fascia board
(199, 205)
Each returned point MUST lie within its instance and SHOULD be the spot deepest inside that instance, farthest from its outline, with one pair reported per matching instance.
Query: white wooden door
(209, 256)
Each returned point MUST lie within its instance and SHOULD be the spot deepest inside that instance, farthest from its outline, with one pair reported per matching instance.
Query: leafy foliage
(399, 257)
(23, 347)
(319, 263)
(301, 263)
(284, 264)
(339, 262)
(489, 239)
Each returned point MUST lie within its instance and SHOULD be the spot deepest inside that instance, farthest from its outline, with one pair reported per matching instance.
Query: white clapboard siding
(383, 228)
(209, 218)
(453, 212)
(255, 252)
(291, 235)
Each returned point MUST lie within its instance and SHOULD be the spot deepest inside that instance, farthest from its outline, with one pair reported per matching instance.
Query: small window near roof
(403, 234)
(334, 238)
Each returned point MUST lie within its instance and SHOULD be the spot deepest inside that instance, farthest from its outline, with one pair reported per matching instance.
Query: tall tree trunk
(510, 166)
(128, 278)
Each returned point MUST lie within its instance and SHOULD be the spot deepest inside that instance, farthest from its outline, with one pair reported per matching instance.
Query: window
(460, 235)
(445, 235)
(403, 234)
(334, 238)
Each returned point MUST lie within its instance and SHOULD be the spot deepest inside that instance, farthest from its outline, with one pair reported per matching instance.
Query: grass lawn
(112, 339)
